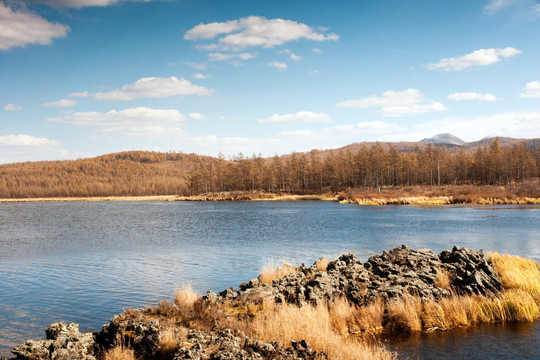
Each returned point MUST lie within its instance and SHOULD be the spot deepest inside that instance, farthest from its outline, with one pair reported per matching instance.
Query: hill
(490, 161)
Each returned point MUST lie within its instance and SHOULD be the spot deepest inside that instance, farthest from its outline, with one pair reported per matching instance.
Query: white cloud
(460, 96)
(80, 3)
(318, 51)
(223, 57)
(20, 27)
(278, 65)
(154, 87)
(253, 31)
(202, 76)
(12, 107)
(79, 94)
(480, 57)
(198, 66)
(510, 124)
(495, 5)
(396, 103)
(292, 55)
(532, 90)
(197, 116)
(349, 132)
(25, 141)
(63, 103)
(131, 122)
(299, 117)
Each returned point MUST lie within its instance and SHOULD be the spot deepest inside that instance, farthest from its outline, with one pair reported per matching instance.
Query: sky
(81, 78)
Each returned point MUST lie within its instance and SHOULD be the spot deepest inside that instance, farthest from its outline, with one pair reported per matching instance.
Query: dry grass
(185, 298)
(120, 353)
(314, 324)
(274, 269)
(168, 342)
(321, 264)
(517, 273)
(443, 280)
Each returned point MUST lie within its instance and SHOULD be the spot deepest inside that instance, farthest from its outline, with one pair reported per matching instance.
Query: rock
(64, 342)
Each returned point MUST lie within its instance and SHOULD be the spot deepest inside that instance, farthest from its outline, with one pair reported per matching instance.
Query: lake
(85, 262)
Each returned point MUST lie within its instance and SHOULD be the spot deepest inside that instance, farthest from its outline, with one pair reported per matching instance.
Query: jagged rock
(64, 342)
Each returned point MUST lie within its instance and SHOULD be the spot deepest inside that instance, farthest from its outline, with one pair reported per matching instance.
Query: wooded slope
(369, 165)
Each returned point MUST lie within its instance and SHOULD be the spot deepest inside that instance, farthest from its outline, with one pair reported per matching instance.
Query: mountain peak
(448, 139)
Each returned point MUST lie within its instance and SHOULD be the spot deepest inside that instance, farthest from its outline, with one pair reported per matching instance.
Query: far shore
(390, 197)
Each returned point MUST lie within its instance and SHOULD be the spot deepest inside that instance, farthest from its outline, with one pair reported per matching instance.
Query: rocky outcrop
(64, 342)
(392, 274)
(386, 276)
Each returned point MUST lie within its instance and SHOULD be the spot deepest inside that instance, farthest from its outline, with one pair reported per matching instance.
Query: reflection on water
(85, 262)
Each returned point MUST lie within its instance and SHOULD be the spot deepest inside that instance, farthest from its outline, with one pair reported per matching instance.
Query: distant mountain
(446, 139)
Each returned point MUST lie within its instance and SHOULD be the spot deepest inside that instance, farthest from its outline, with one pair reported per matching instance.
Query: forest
(367, 166)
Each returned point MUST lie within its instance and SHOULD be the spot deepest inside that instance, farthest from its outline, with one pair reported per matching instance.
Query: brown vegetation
(362, 172)
(120, 353)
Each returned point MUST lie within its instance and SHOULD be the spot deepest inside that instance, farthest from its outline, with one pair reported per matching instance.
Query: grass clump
(317, 325)
(275, 269)
(120, 353)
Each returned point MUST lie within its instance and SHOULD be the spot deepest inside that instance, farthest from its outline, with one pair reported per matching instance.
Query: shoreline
(383, 200)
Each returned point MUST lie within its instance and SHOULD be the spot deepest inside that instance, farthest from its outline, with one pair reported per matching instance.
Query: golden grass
(321, 264)
(274, 269)
(285, 322)
(168, 343)
(185, 299)
(443, 280)
(120, 353)
(517, 272)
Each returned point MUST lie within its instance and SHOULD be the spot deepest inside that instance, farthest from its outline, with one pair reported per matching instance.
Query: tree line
(375, 166)
(139, 173)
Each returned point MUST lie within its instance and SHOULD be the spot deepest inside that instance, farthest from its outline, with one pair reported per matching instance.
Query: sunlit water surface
(85, 262)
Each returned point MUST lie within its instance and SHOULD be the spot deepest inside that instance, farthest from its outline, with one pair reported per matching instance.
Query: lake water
(85, 262)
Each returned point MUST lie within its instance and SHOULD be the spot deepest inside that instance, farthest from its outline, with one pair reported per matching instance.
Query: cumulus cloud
(25, 141)
(460, 96)
(396, 103)
(278, 65)
(254, 31)
(480, 57)
(12, 107)
(63, 103)
(531, 90)
(154, 87)
(299, 117)
(197, 116)
(20, 27)
(131, 122)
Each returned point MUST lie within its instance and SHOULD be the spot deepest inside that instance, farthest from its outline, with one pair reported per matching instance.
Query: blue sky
(81, 78)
